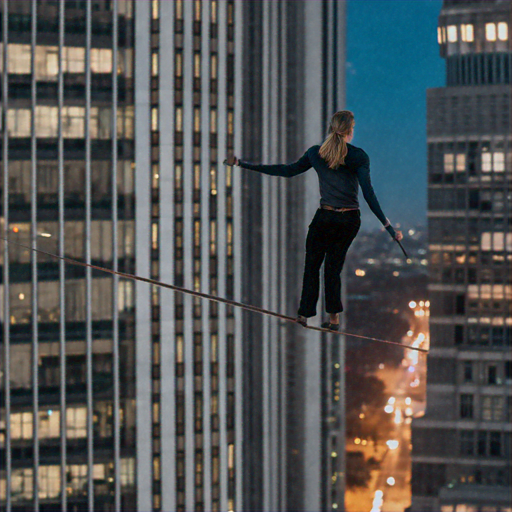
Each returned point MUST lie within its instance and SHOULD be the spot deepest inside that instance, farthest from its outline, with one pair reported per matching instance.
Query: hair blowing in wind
(334, 149)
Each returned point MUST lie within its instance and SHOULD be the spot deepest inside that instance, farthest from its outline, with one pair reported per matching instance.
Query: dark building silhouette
(461, 447)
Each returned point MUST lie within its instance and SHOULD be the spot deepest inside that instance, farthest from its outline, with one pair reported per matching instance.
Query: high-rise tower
(116, 118)
(461, 447)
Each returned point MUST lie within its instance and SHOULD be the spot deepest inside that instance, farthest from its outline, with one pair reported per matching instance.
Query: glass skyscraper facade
(116, 118)
(461, 447)
(68, 409)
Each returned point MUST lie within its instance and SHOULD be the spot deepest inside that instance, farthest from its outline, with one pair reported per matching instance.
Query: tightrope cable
(214, 298)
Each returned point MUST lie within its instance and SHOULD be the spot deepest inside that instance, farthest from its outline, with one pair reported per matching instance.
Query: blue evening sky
(392, 59)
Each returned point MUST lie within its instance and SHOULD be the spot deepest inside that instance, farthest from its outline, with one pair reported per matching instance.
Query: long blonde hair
(334, 149)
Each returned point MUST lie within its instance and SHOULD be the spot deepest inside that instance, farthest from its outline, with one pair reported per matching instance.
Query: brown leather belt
(332, 209)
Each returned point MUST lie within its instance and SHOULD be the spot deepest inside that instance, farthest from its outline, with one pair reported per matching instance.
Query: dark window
(508, 370)
(466, 442)
(466, 406)
(459, 334)
(468, 371)
(481, 444)
(460, 304)
(495, 444)
(492, 375)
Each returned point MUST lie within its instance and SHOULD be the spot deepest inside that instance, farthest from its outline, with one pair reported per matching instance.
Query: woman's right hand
(232, 160)
(398, 235)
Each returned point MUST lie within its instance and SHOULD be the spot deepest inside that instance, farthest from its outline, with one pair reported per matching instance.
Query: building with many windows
(461, 447)
(116, 118)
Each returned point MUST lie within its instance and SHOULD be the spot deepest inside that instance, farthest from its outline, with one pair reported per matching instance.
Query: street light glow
(389, 409)
(390, 481)
(412, 304)
(392, 444)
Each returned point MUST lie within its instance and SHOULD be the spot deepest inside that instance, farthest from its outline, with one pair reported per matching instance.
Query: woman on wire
(340, 167)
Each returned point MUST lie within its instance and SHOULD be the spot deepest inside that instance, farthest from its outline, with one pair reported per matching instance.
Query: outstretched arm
(363, 175)
(286, 171)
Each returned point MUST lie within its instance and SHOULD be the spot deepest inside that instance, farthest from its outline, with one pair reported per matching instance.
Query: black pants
(329, 236)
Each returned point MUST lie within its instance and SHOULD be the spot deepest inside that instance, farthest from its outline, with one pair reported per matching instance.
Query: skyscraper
(461, 447)
(117, 117)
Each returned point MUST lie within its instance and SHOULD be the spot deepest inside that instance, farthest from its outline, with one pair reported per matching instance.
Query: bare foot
(334, 318)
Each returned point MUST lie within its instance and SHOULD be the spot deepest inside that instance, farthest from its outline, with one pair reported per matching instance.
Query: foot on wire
(331, 326)
(302, 320)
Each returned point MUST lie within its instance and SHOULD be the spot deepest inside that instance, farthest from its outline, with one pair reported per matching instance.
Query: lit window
(213, 237)
(213, 12)
(100, 123)
(213, 120)
(154, 119)
(197, 65)
(73, 59)
(452, 33)
(125, 122)
(49, 424)
(492, 408)
(21, 425)
(461, 162)
(467, 33)
(229, 173)
(101, 60)
(197, 233)
(179, 119)
(197, 10)
(48, 482)
(127, 472)
(439, 35)
(498, 241)
(177, 176)
(231, 456)
(19, 57)
(449, 162)
(46, 121)
(76, 420)
(154, 64)
(125, 295)
(197, 119)
(77, 477)
(154, 9)
(197, 176)
(154, 235)
(73, 122)
(213, 66)
(486, 162)
(502, 31)
(47, 62)
(22, 484)
(179, 348)
(231, 123)
(499, 161)
(18, 122)
(179, 9)
(178, 64)
(490, 31)
(213, 182)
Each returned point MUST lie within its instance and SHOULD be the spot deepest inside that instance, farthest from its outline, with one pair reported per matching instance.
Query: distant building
(118, 395)
(461, 447)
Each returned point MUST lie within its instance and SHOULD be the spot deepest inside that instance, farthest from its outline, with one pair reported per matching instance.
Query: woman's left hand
(231, 160)
(398, 235)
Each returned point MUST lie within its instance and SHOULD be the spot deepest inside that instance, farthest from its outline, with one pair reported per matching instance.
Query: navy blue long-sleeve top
(338, 187)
